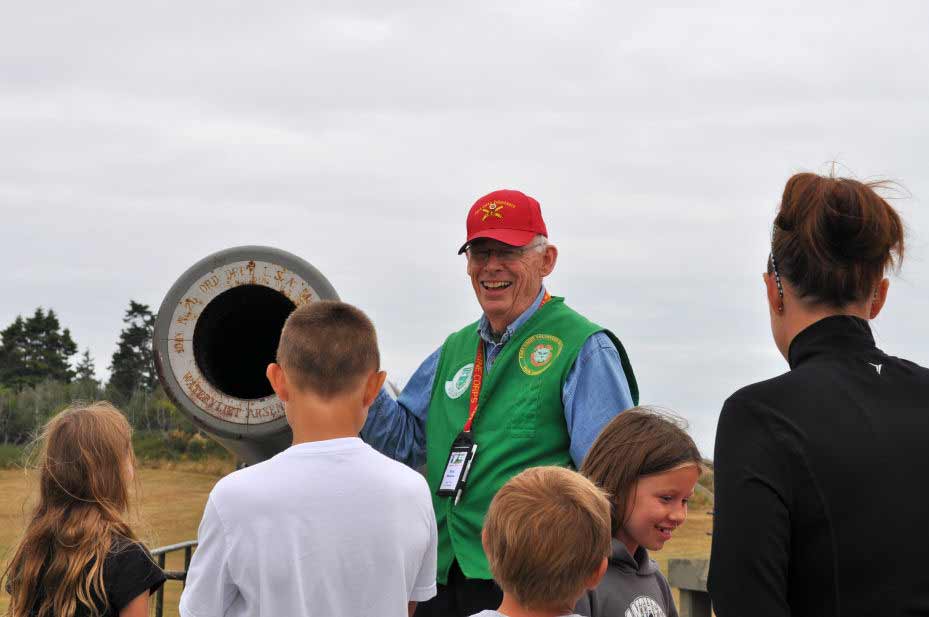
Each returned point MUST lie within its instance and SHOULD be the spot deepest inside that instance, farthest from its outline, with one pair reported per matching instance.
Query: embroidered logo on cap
(461, 382)
(537, 353)
(494, 209)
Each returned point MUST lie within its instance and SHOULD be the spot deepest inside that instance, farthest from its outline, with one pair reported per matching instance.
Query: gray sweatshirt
(632, 587)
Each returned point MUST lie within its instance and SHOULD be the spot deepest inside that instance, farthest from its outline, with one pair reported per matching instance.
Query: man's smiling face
(506, 279)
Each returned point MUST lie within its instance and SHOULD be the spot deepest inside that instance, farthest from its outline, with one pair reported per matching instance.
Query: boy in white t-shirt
(328, 527)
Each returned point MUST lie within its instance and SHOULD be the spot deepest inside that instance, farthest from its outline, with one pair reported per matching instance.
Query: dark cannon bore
(236, 338)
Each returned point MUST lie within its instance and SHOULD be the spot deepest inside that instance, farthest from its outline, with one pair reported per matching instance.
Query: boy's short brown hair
(546, 532)
(326, 347)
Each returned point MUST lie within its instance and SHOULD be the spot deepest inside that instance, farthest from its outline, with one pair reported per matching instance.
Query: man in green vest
(530, 383)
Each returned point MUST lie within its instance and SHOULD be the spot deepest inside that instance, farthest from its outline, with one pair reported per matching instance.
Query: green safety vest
(519, 424)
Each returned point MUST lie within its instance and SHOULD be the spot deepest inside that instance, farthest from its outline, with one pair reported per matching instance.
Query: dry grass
(173, 496)
(217, 467)
(690, 541)
(171, 500)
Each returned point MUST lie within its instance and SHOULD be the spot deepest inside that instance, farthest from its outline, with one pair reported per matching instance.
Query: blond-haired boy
(329, 526)
(547, 539)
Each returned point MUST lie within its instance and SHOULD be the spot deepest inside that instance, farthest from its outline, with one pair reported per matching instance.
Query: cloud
(138, 139)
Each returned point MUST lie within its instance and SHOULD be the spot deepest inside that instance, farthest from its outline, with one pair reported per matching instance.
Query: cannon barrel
(216, 332)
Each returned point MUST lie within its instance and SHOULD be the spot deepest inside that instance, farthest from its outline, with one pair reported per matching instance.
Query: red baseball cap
(509, 216)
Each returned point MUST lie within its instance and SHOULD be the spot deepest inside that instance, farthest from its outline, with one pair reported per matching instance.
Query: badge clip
(459, 464)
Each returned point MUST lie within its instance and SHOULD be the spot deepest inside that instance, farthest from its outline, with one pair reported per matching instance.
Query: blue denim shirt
(595, 390)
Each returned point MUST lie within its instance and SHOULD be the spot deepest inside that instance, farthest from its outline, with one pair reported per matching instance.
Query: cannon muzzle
(218, 329)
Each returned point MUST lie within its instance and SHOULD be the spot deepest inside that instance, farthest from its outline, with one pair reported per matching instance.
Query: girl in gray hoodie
(649, 466)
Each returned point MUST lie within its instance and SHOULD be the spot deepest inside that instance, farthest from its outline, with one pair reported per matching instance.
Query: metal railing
(689, 576)
(172, 575)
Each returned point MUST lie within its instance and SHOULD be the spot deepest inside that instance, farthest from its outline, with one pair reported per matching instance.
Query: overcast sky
(138, 138)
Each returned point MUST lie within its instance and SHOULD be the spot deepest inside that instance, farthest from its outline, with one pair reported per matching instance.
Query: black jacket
(822, 484)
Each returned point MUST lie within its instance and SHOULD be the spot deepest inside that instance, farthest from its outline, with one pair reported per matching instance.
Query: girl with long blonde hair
(78, 556)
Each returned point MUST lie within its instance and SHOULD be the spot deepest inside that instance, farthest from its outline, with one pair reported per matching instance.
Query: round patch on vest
(461, 382)
(537, 353)
(643, 606)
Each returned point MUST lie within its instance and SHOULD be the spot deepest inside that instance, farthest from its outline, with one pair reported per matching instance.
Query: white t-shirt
(325, 528)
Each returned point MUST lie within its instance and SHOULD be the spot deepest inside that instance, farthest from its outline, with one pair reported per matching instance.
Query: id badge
(456, 469)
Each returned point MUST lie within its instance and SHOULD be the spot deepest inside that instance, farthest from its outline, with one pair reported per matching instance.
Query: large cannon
(218, 328)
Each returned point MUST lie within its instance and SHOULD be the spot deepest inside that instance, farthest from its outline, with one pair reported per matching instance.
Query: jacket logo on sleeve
(537, 353)
(461, 382)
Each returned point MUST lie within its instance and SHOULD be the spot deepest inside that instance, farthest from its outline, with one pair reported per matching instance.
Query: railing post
(187, 551)
(171, 575)
(694, 604)
(160, 594)
(689, 576)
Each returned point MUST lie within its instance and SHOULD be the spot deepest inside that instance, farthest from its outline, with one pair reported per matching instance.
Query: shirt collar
(483, 327)
(336, 444)
(835, 333)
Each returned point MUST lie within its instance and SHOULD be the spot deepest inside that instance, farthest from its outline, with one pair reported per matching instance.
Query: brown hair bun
(835, 237)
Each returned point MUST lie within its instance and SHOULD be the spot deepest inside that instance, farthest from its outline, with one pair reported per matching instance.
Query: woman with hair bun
(821, 473)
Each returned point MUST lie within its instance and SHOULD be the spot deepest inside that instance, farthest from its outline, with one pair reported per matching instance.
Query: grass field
(172, 500)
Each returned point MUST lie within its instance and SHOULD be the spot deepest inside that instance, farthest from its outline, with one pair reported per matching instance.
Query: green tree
(7, 409)
(85, 371)
(23, 412)
(13, 371)
(133, 367)
(34, 350)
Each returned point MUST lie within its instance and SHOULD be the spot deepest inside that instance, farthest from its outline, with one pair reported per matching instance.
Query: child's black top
(127, 572)
(821, 476)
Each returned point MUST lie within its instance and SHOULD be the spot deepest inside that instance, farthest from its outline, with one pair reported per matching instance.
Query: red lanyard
(477, 375)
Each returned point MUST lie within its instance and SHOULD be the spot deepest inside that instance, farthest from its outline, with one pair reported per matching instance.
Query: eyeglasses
(508, 254)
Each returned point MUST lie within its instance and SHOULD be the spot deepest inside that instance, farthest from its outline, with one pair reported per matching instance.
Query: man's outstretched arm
(595, 391)
(397, 428)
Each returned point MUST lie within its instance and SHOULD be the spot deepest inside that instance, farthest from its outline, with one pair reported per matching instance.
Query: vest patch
(461, 382)
(643, 606)
(537, 353)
